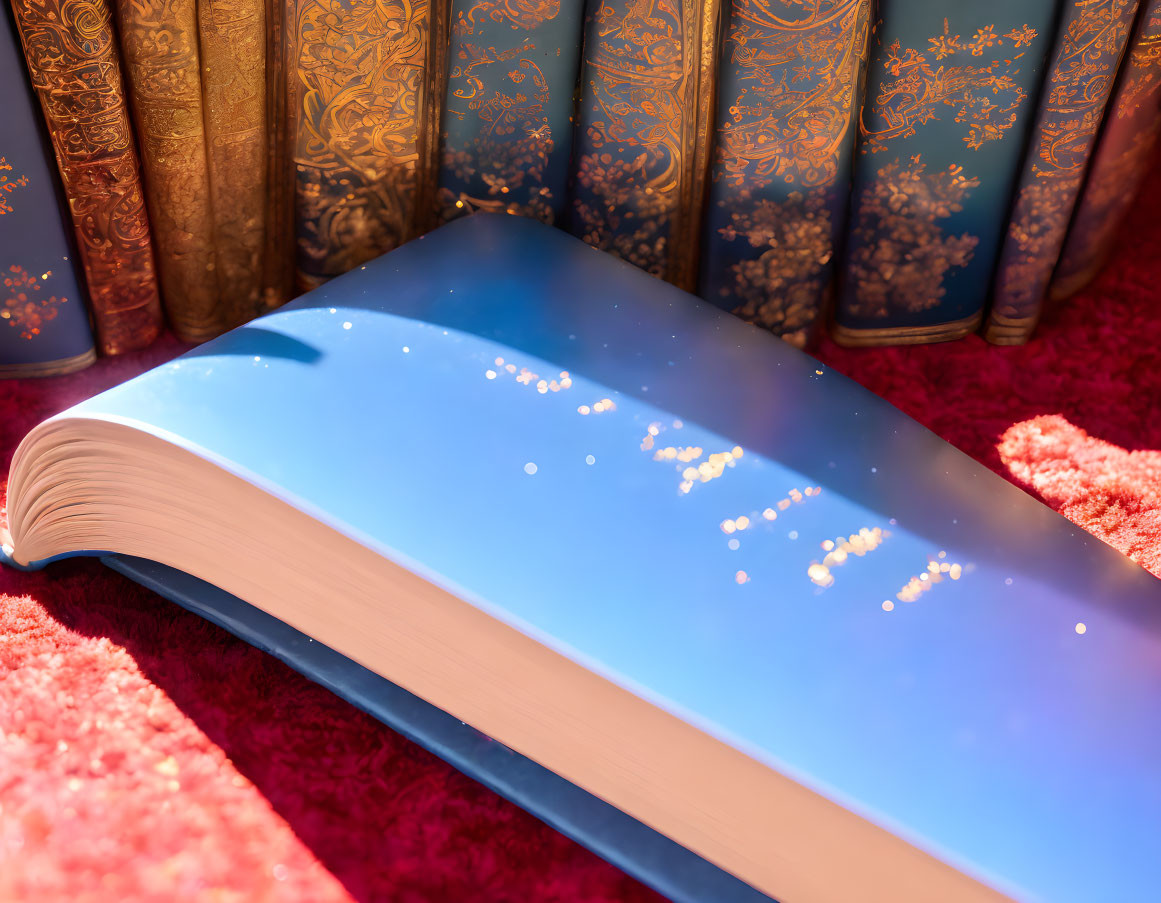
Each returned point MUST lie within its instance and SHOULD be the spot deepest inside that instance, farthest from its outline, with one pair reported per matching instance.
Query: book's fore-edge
(636, 849)
(950, 97)
(1125, 151)
(790, 88)
(1090, 42)
(44, 327)
(988, 723)
(72, 56)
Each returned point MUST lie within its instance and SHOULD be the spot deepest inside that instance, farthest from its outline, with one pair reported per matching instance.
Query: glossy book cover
(508, 107)
(789, 92)
(694, 512)
(951, 95)
(44, 327)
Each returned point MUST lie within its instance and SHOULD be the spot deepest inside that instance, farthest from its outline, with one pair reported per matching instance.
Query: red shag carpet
(146, 755)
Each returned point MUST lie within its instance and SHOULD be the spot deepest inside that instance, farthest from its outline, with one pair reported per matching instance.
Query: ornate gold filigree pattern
(159, 39)
(361, 104)
(1122, 157)
(643, 119)
(73, 60)
(783, 146)
(505, 91)
(1080, 80)
(900, 254)
(24, 306)
(982, 96)
(8, 186)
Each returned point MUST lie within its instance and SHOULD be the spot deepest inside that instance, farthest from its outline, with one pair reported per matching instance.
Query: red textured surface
(146, 755)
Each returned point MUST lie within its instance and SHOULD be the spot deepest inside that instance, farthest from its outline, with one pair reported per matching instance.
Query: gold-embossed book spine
(789, 93)
(73, 59)
(1090, 42)
(232, 36)
(159, 40)
(643, 131)
(951, 95)
(364, 91)
(1125, 150)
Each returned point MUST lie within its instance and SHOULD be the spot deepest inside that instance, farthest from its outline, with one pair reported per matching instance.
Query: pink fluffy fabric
(146, 755)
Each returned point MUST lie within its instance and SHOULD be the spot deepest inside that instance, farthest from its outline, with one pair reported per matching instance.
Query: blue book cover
(658, 552)
(44, 325)
(508, 107)
(952, 91)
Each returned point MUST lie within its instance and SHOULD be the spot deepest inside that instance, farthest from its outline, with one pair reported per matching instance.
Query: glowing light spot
(530, 468)
(736, 451)
(743, 522)
(491, 374)
(943, 554)
(334, 310)
(827, 545)
(820, 575)
(347, 324)
(888, 605)
(734, 545)
(459, 203)
(728, 526)
(1007, 581)
(770, 514)
(589, 459)
(741, 577)
(1081, 628)
(499, 362)
(793, 534)
(406, 350)
(819, 372)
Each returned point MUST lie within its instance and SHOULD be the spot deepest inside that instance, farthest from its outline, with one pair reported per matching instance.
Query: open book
(662, 554)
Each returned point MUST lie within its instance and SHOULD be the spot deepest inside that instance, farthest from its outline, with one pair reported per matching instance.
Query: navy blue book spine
(44, 325)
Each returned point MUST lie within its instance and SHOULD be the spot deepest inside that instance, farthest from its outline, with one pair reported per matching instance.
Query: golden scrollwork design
(645, 107)
(944, 77)
(359, 69)
(504, 91)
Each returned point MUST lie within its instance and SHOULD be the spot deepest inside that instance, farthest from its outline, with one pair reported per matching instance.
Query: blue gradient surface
(974, 721)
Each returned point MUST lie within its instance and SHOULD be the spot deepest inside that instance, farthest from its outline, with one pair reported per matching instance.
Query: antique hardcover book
(644, 130)
(72, 57)
(1125, 151)
(159, 42)
(508, 107)
(1090, 42)
(952, 90)
(789, 92)
(44, 327)
(658, 552)
(364, 89)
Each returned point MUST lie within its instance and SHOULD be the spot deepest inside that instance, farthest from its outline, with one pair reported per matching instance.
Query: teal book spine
(952, 91)
(1090, 43)
(508, 108)
(643, 132)
(789, 90)
(44, 326)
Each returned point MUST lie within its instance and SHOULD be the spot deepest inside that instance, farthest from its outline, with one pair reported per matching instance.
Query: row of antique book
(918, 168)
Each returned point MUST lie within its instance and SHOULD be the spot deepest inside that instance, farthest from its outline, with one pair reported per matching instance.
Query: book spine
(951, 94)
(159, 40)
(75, 67)
(508, 107)
(278, 236)
(232, 36)
(1125, 151)
(364, 95)
(789, 90)
(44, 328)
(1091, 40)
(643, 132)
